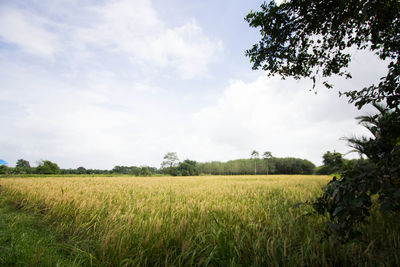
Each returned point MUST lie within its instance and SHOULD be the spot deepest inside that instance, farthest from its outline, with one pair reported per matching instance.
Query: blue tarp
(2, 162)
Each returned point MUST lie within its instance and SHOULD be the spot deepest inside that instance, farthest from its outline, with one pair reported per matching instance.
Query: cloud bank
(105, 83)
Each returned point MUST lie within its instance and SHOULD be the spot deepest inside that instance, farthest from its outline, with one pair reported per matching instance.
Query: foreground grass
(25, 240)
(199, 221)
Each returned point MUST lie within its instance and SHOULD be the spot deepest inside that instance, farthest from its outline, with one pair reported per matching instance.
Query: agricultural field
(191, 221)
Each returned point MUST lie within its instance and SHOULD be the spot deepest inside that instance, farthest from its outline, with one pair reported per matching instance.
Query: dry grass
(208, 220)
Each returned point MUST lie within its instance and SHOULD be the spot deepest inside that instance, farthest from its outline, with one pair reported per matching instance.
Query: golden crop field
(196, 221)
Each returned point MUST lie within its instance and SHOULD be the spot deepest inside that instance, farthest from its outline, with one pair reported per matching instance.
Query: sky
(100, 83)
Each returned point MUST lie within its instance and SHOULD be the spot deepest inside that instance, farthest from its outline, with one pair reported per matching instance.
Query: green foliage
(255, 155)
(312, 39)
(333, 160)
(294, 166)
(145, 171)
(81, 170)
(27, 240)
(84, 171)
(170, 160)
(47, 167)
(133, 170)
(333, 163)
(349, 199)
(268, 166)
(125, 170)
(188, 168)
(266, 156)
(23, 167)
(4, 169)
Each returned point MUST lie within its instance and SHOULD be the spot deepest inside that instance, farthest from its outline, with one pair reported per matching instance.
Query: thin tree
(266, 156)
(255, 155)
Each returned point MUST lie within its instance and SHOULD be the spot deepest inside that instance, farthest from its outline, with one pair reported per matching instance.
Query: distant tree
(120, 169)
(81, 170)
(266, 156)
(145, 171)
(47, 167)
(153, 170)
(3, 169)
(333, 163)
(170, 160)
(135, 170)
(333, 159)
(188, 168)
(254, 156)
(246, 166)
(23, 166)
(293, 166)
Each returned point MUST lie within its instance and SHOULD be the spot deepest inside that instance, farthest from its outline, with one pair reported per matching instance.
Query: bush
(348, 200)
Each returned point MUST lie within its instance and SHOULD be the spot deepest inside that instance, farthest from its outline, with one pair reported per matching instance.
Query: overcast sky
(122, 82)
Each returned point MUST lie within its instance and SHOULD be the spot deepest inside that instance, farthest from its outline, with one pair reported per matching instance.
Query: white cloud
(93, 106)
(111, 121)
(106, 122)
(278, 2)
(130, 30)
(279, 116)
(28, 32)
(133, 28)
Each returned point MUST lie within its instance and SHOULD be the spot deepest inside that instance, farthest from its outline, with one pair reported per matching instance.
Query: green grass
(187, 221)
(27, 240)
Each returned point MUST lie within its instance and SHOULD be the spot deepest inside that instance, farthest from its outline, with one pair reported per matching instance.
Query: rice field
(197, 221)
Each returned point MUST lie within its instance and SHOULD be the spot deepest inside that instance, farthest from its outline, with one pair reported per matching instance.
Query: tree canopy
(23, 166)
(47, 167)
(170, 160)
(313, 39)
(348, 200)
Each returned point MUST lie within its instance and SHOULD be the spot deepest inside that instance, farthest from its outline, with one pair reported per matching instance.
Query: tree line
(173, 167)
(47, 167)
(246, 166)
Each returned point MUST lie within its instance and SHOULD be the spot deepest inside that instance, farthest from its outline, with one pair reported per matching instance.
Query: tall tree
(313, 39)
(81, 170)
(266, 156)
(23, 166)
(333, 162)
(188, 168)
(47, 167)
(3, 169)
(170, 160)
(254, 156)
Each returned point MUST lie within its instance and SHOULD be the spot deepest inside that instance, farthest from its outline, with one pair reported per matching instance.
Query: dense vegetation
(246, 166)
(348, 200)
(196, 221)
(187, 167)
(315, 40)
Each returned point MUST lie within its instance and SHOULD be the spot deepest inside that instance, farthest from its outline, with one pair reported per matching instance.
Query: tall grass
(198, 221)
